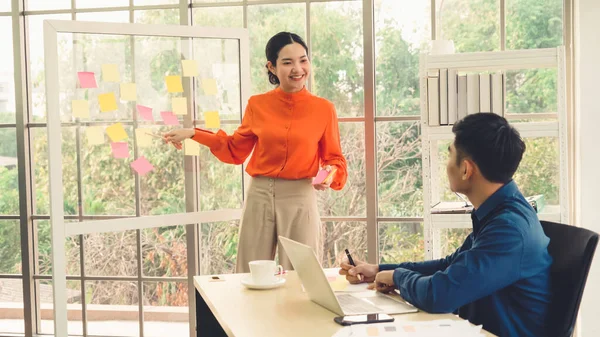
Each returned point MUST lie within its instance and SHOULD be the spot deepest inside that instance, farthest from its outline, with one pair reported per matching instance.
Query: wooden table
(227, 308)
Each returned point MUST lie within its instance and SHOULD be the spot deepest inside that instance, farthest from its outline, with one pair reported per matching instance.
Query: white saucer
(247, 282)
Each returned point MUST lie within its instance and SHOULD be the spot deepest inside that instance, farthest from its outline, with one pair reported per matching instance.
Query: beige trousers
(277, 207)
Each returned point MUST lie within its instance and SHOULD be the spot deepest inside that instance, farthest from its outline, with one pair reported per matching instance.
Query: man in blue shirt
(500, 276)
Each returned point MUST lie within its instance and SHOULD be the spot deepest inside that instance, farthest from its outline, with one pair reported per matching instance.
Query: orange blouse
(292, 135)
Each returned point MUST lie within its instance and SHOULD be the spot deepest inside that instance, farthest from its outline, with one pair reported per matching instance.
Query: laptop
(317, 287)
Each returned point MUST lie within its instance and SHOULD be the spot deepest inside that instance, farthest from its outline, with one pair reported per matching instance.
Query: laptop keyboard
(355, 306)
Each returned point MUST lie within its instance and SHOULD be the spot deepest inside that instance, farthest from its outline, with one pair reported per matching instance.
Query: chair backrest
(572, 249)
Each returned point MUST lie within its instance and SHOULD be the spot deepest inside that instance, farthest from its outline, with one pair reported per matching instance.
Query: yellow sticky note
(110, 73)
(128, 92)
(211, 118)
(179, 105)
(94, 135)
(339, 284)
(174, 84)
(190, 68)
(107, 102)
(209, 85)
(81, 108)
(191, 147)
(143, 138)
(116, 132)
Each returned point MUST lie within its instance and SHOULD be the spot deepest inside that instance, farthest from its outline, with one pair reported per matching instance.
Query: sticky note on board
(116, 132)
(211, 119)
(107, 102)
(169, 118)
(209, 85)
(94, 135)
(145, 112)
(81, 108)
(142, 166)
(120, 150)
(191, 147)
(179, 105)
(87, 79)
(110, 73)
(142, 137)
(128, 92)
(174, 84)
(190, 68)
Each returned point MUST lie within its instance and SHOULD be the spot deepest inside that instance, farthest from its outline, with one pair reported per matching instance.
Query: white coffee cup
(265, 272)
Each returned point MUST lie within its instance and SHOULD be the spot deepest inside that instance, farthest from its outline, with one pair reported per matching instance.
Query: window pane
(40, 169)
(213, 1)
(219, 16)
(452, 238)
(534, 24)
(154, 2)
(5, 5)
(99, 4)
(264, 21)
(10, 249)
(45, 291)
(165, 251)
(473, 25)
(11, 304)
(158, 16)
(9, 174)
(36, 5)
(399, 178)
(166, 309)
(120, 16)
(337, 55)
(531, 90)
(43, 250)
(111, 254)
(7, 80)
(112, 308)
(401, 242)
(351, 200)
(539, 171)
(36, 62)
(340, 235)
(218, 247)
(402, 29)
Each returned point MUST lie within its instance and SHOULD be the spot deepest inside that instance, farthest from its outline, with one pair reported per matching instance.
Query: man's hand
(384, 282)
(367, 270)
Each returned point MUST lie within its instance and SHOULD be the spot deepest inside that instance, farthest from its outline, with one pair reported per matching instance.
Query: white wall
(587, 91)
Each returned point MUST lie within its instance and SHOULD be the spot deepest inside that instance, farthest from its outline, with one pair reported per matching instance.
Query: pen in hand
(351, 261)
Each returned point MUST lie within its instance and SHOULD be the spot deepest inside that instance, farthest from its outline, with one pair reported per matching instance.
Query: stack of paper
(443, 327)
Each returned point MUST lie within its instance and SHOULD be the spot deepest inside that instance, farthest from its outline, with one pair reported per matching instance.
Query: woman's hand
(175, 137)
(325, 184)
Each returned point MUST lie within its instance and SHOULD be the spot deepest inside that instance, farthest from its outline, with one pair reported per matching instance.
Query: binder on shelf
(485, 104)
(452, 97)
(462, 97)
(443, 96)
(472, 94)
(433, 101)
(498, 93)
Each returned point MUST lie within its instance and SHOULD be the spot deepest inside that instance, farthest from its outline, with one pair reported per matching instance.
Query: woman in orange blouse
(293, 134)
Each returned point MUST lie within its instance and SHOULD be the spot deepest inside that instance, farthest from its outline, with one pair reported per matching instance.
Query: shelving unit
(431, 135)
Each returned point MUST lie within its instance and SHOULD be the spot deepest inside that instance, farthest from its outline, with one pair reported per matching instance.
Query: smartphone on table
(363, 319)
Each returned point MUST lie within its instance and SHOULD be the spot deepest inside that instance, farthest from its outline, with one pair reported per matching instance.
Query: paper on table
(339, 283)
(190, 68)
(435, 328)
(81, 108)
(110, 73)
(128, 92)
(87, 79)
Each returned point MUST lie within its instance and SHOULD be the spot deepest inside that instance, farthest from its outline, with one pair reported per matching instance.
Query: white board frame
(60, 229)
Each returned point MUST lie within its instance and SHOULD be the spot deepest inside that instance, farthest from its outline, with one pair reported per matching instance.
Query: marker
(352, 263)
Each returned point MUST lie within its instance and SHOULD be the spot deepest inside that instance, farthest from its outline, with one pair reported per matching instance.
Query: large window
(135, 283)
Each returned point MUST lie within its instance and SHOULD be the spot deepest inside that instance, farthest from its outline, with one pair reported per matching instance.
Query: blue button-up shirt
(499, 277)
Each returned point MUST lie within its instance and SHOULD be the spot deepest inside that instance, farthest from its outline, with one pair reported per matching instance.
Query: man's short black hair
(489, 141)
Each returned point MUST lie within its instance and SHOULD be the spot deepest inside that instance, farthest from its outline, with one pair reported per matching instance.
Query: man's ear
(468, 168)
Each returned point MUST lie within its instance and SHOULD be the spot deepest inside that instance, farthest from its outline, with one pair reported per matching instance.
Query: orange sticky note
(174, 84)
(110, 73)
(116, 132)
(179, 105)
(94, 135)
(128, 92)
(190, 68)
(81, 108)
(211, 118)
(107, 102)
(209, 85)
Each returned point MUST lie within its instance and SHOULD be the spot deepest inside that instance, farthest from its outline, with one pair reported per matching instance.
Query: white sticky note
(143, 138)
(191, 147)
(110, 73)
(179, 105)
(190, 68)
(94, 135)
(81, 108)
(128, 92)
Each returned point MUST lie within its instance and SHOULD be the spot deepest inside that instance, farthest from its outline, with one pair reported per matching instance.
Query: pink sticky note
(87, 79)
(145, 112)
(169, 118)
(142, 166)
(120, 149)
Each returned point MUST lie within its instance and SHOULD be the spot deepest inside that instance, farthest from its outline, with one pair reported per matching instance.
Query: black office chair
(572, 249)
